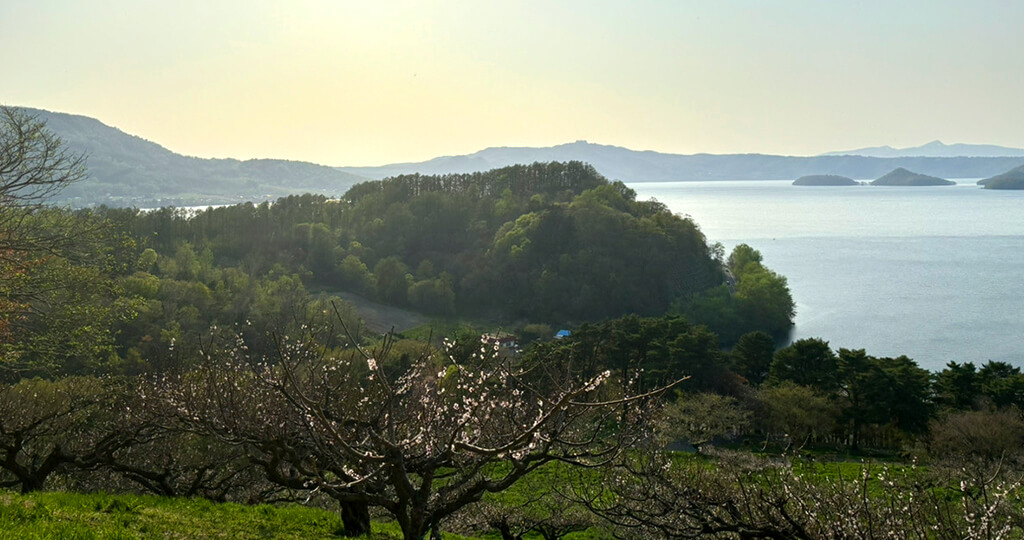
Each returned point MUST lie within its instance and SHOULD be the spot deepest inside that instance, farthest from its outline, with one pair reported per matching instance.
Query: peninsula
(825, 180)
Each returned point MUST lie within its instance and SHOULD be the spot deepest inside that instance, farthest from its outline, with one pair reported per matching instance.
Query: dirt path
(381, 318)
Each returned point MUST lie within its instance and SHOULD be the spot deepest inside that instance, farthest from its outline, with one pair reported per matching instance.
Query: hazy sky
(372, 82)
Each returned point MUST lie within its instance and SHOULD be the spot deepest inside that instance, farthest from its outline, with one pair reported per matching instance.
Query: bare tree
(536, 506)
(34, 165)
(647, 495)
(166, 457)
(742, 496)
(50, 426)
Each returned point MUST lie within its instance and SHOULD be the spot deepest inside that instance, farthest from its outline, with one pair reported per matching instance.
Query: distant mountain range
(128, 170)
(934, 149)
(620, 163)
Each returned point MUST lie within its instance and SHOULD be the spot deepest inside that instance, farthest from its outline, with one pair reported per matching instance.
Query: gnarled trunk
(355, 517)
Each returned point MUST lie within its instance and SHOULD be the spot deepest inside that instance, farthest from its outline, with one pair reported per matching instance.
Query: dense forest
(210, 354)
(545, 242)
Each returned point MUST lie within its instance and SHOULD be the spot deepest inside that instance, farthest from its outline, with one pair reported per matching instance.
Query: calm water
(930, 272)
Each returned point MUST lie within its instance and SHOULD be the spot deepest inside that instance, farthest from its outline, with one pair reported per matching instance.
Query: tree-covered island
(903, 177)
(825, 180)
(1011, 179)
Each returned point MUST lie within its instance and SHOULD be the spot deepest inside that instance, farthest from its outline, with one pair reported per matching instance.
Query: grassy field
(101, 516)
(61, 515)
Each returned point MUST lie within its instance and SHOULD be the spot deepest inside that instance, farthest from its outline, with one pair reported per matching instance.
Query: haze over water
(929, 272)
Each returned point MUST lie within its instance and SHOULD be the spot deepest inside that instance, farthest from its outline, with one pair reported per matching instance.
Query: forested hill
(550, 242)
(544, 179)
(125, 170)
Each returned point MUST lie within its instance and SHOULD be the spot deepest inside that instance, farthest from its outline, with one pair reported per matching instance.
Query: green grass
(63, 515)
(101, 516)
(77, 516)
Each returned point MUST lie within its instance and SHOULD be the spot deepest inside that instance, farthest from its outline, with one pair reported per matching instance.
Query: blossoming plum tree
(421, 444)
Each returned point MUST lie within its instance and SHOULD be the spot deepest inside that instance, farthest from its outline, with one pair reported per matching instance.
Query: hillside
(126, 170)
(1012, 179)
(903, 177)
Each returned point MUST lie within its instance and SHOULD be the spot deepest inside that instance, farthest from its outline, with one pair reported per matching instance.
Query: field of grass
(102, 516)
(99, 516)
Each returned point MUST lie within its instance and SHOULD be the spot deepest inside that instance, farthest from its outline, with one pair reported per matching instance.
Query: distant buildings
(503, 340)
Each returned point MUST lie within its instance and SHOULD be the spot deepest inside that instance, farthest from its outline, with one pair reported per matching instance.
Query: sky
(374, 82)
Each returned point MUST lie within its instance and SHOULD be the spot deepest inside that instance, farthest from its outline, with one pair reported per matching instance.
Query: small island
(825, 180)
(903, 177)
(1011, 179)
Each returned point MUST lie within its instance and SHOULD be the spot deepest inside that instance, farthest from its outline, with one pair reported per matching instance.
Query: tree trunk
(32, 483)
(34, 479)
(355, 518)
(855, 446)
(414, 525)
(503, 527)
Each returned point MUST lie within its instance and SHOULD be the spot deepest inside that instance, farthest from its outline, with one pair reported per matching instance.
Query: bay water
(934, 273)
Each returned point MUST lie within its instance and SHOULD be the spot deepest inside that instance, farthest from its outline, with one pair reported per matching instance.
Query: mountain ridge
(619, 163)
(935, 148)
(126, 170)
